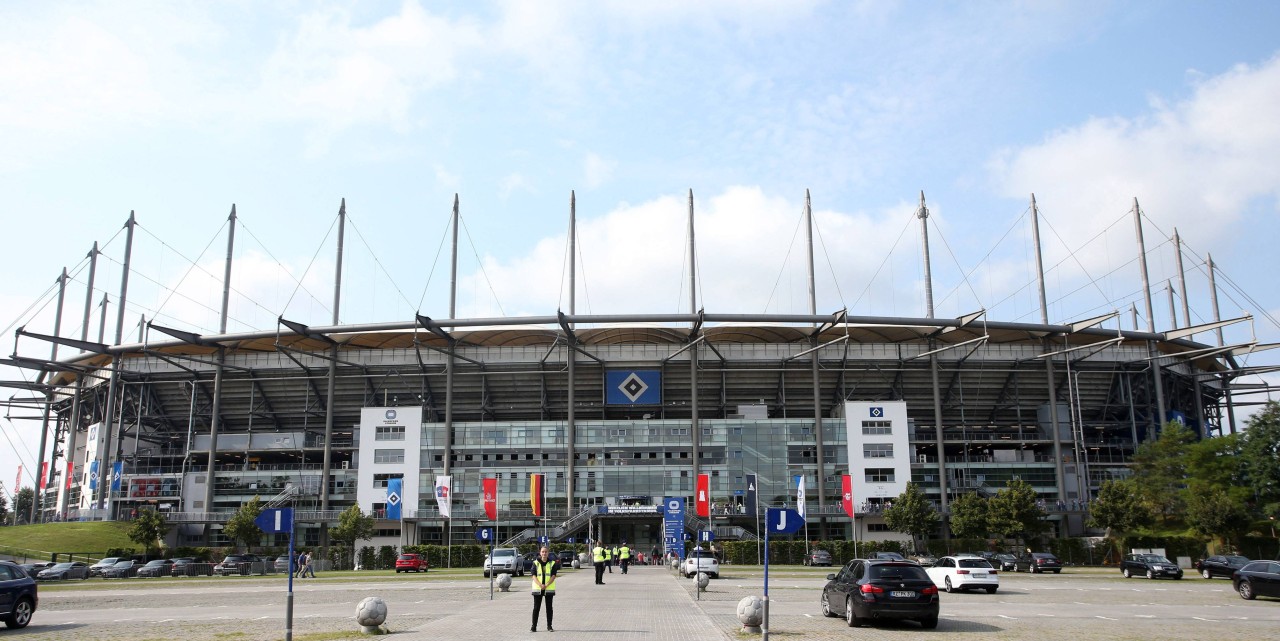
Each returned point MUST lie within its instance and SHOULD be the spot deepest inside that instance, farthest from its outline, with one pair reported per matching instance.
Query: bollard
(504, 582)
(703, 581)
(751, 613)
(371, 613)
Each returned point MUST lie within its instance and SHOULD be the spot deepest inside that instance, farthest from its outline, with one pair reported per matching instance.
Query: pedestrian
(299, 566)
(624, 557)
(653, 554)
(597, 557)
(308, 568)
(544, 586)
(608, 559)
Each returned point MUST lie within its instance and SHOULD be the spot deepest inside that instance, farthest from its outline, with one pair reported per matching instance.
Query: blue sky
(178, 110)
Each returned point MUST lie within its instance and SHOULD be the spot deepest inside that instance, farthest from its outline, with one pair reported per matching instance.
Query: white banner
(800, 495)
(442, 495)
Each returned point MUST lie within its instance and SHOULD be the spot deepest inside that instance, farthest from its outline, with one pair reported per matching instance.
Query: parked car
(504, 561)
(237, 564)
(281, 563)
(19, 595)
(97, 568)
(64, 571)
(412, 563)
(704, 562)
(963, 573)
(1257, 578)
(32, 569)
(885, 556)
(817, 557)
(566, 558)
(1004, 561)
(1150, 566)
(875, 589)
(185, 566)
(1221, 565)
(527, 559)
(156, 569)
(925, 560)
(1037, 562)
(121, 570)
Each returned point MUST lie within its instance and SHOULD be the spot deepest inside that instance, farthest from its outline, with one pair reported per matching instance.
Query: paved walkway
(646, 604)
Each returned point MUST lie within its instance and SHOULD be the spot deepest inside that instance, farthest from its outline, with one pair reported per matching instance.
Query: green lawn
(40, 540)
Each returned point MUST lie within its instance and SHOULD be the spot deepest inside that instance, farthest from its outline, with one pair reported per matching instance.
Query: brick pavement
(646, 604)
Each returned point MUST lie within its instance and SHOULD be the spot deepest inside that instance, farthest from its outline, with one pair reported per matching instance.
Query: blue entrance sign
(484, 534)
(782, 521)
(673, 524)
(543, 540)
(706, 536)
(275, 520)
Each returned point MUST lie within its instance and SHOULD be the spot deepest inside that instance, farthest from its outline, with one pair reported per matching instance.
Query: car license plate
(902, 594)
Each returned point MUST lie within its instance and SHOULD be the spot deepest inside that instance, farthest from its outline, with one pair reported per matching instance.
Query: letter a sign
(703, 499)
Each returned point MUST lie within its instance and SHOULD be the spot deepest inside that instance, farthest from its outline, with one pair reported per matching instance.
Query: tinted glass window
(7, 573)
(1237, 559)
(1273, 568)
(1254, 567)
(974, 563)
(897, 572)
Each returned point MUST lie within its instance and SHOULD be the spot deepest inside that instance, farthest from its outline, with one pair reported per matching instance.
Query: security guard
(624, 556)
(598, 557)
(544, 586)
(609, 555)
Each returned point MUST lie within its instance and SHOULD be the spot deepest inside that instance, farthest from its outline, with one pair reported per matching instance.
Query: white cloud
(512, 183)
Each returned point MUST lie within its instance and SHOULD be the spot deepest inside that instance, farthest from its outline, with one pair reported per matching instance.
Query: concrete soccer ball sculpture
(371, 613)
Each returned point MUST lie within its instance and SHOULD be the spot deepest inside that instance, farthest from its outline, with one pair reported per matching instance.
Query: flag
(538, 493)
(117, 473)
(18, 483)
(490, 498)
(70, 468)
(752, 505)
(800, 495)
(442, 496)
(846, 494)
(702, 502)
(44, 475)
(395, 498)
(93, 475)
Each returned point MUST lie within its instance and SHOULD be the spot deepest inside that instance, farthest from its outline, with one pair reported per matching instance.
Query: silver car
(504, 561)
(64, 571)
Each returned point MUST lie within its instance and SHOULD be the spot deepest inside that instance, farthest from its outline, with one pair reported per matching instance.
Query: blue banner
(117, 472)
(633, 387)
(673, 524)
(395, 494)
(93, 475)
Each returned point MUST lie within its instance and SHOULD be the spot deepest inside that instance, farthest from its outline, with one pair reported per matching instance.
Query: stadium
(617, 411)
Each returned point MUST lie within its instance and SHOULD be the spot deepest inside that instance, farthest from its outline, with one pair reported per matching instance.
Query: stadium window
(388, 456)
(877, 450)
(389, 433)
(877, 427)
(880, 475)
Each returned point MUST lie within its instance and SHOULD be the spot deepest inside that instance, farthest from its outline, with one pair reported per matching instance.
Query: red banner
(70, 468)
(702, 501)
(18, 483)
(537, 493)
(846, 488)
(44, 475)
(491, 498)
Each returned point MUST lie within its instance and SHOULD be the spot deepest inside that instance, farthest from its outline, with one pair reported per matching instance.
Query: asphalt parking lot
(650, 603)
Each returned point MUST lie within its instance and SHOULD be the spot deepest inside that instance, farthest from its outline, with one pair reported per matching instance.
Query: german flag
(538, 493)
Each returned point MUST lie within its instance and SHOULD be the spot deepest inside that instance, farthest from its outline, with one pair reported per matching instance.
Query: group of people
(302, 565)
(604, 557)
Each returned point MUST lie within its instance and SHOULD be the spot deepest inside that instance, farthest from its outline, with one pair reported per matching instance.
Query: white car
(694, 564)
(505, 561)
(953, 573)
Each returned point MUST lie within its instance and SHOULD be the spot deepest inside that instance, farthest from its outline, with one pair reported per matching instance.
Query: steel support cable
(831, 267)
(887, 256)
(1072, 253)
(282, 266)
(42, 301)
(308, 269)
(135, 305)
(564, 264)
(476, 253)
(965, 277)
(434, 262)
(1261, 309)
(1110, 301)
(582, 267)
(377, 262)
(782, 268)
(195, 264)
(984, 258)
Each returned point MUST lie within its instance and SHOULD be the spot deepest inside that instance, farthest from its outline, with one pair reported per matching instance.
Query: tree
(1161, 468)
(1119, 508)
(1213, 512)
(4, 510)
(22, 503)
(353, 525)
(969, 516)
(1260, 453)
(912, 514)
(1014, 511)
(241, 528)
(148, 530)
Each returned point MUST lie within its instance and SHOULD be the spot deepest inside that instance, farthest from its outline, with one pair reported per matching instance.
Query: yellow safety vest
(624, 553)
(599, 554)
(544, 572)
(608, 556)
